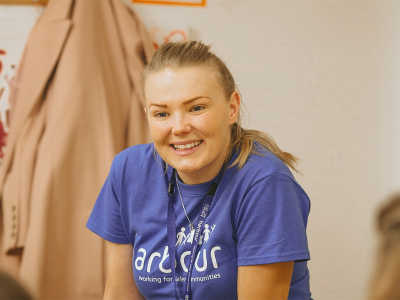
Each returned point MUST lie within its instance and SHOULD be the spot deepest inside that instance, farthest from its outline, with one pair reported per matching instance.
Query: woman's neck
(205, 174)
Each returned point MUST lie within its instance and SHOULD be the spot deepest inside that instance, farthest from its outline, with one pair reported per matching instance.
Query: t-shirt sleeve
(106, 219)
(271, 222)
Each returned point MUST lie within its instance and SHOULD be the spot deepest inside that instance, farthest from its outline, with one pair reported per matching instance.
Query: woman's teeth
(187, 146)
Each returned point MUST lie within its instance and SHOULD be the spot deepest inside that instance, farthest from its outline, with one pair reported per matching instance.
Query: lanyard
(171, 227)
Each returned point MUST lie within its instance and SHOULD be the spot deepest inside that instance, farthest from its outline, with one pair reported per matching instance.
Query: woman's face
(190, 118)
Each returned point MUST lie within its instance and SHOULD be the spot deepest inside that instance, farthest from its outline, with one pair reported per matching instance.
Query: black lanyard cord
(171, 227)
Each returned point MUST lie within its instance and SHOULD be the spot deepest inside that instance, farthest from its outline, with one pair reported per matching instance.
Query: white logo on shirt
(182, 238)
(154, 258)
(145, 261)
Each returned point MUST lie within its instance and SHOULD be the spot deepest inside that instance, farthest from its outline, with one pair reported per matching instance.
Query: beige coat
(78, 102)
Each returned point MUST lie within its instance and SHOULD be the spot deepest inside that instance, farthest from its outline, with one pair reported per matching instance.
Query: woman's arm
(119, 277)
(260, 282)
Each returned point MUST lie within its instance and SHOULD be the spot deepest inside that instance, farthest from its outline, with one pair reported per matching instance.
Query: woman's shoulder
(262, 169)
(261, 166)
(135, 157)
(140, 151)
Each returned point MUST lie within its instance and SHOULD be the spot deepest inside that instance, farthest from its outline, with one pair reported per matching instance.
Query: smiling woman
(190, 120)
(217, 199)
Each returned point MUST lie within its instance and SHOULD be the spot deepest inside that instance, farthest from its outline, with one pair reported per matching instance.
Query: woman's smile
(186, 148)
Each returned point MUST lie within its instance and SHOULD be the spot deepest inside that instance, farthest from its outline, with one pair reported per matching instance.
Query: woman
(385, 282)
(218, 198)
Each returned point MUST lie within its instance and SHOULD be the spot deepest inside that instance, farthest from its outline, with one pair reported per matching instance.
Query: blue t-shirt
(258, 216)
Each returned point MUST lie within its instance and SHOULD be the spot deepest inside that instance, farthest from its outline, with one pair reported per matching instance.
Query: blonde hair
(195, 53)
(385, 280)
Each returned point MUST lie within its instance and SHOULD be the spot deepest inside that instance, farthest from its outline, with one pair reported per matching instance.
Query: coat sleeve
(138, 49)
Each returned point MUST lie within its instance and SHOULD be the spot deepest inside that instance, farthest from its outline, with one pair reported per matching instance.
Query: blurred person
(218, 198)
(11, 289)
(385, 283)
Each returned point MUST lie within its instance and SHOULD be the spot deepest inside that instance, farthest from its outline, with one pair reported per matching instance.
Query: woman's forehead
(171, 74)
(182, 83)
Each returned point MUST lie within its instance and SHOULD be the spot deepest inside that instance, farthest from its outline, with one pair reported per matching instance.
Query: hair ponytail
(244, 139)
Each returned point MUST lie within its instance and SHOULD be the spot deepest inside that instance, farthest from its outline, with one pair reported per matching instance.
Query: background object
(24, 2)
(385, 279)
(77, 104)
(20, 19)
(11, 289)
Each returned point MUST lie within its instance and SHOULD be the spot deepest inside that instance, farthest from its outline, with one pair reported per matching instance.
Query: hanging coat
(78, 101)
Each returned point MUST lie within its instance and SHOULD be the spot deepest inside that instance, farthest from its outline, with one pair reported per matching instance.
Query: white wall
(320, 76)
(15, 24)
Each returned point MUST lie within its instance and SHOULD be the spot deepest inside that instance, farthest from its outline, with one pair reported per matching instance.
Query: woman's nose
(180, 125)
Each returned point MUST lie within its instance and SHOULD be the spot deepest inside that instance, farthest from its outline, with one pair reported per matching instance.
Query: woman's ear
(234, 107)
(146, 112)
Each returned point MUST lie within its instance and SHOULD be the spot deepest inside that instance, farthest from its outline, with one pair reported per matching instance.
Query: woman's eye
(160, 114)
(197, 107)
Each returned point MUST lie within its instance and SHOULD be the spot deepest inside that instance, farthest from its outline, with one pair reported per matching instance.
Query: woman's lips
(183, 149)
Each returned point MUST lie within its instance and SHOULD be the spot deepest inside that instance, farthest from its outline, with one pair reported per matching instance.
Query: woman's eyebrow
(194, 99)
(157, 104)
(184, 102)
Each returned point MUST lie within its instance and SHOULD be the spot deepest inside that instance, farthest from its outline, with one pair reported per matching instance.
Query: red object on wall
(3, 134)
(178, 34)
(3, 138)
(2, 52)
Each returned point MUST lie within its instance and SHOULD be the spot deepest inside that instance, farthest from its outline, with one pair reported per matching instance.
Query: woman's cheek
(214, 123)
(157, 130)
(207, 121)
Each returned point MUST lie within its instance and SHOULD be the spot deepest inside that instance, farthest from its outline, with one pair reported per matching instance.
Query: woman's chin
(188, 171)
